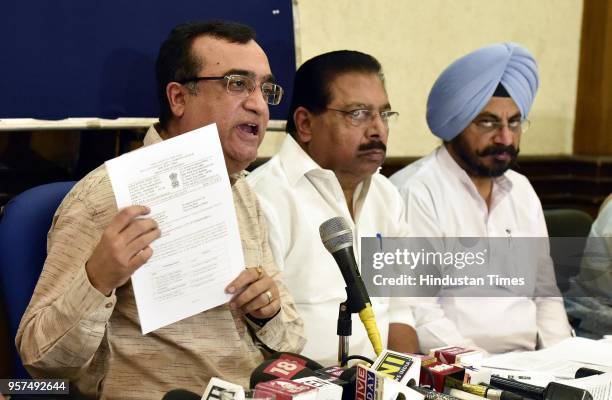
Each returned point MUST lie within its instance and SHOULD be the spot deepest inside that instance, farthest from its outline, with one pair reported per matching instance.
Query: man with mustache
(338, 126)
(478, 107)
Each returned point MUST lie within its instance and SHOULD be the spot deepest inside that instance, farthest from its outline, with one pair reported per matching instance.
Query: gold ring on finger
(269, 294)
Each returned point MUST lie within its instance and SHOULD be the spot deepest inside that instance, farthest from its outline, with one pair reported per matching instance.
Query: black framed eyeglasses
(244, 85)
(363, 116)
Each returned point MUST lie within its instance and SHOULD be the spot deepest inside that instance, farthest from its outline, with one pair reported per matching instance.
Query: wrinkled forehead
(359, 89)
(220, 57)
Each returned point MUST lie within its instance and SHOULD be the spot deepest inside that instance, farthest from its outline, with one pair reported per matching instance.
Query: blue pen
(379, 236)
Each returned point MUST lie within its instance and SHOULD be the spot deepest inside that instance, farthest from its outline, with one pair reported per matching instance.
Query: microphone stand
(344, 331)
(353, 304)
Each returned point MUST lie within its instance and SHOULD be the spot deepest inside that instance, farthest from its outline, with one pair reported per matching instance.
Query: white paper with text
(185, 183)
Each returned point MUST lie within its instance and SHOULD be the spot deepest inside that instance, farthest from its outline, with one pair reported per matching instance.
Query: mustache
(373, 145)
(495, 150)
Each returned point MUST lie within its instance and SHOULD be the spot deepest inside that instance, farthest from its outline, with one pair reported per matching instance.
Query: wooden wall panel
(593, 128)
(580, 182)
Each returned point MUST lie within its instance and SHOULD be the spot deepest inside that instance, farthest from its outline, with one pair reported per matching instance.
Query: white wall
(415, 40)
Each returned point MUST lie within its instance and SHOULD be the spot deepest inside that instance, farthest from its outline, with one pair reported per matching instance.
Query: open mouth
(252, 129)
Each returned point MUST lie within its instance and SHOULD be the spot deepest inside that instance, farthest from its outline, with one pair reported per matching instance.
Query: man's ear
(303, 124)
(175, 93)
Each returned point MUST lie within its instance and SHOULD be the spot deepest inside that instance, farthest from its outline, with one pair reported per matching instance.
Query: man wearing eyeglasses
(478, 107)
(338, 126)
(82, 322)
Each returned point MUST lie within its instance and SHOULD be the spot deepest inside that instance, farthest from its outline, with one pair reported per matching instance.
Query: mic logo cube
(215, 393)
(398, 366)
(366, 385)
(284, 368)
(285, 389)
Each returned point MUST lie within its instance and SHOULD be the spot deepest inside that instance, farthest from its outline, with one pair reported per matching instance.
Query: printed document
(185, 183)
(562, 359)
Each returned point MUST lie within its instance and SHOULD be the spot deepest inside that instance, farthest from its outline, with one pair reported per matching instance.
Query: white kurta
(442, 201)
(297, 196)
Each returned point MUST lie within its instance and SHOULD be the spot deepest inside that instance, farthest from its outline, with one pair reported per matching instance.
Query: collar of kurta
(297, 164)
(501, 184)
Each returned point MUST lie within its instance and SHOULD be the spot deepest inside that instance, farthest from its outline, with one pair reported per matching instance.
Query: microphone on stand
(337, 238)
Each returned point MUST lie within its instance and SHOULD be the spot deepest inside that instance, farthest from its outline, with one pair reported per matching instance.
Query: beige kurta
(70, 330)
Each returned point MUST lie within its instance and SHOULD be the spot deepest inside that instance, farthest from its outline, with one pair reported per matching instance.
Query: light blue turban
(466, 86)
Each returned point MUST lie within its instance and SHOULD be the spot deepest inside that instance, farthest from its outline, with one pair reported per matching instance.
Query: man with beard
(327, 166)
(478, 107)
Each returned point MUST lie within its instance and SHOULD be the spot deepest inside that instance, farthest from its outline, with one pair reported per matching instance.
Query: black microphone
(181, 394)
(559, 391)
(520, 388)
(552, 391)
(337, 238)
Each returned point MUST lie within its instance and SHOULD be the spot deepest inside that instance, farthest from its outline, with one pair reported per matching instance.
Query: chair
(567, 253)
(24, 223)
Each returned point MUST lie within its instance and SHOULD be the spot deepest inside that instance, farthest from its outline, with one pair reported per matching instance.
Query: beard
(472, 159)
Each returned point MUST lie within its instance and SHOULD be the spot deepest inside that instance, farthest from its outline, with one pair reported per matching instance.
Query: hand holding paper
(123, 248)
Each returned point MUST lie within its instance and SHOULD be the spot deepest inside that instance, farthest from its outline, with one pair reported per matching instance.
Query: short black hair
(311, 86)
(175, 61)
